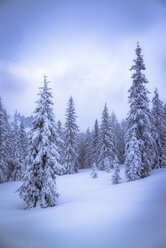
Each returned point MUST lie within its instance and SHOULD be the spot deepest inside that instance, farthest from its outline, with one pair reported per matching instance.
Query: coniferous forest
(37, 153)
(82, 124)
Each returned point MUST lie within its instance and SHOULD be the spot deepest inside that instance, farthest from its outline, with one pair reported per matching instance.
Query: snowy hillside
(90, 213)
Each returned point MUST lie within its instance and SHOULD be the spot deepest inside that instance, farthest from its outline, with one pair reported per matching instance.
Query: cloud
(10, 81)
(85, 47)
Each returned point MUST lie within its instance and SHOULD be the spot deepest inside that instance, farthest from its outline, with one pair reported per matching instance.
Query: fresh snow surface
(90, 213)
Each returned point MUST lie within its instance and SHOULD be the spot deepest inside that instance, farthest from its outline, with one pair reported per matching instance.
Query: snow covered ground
(90, 213)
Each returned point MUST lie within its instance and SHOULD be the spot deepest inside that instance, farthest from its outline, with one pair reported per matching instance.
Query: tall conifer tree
(9, 147)
(6, 163)
(81, 152)
(23, 141)
(3, 154)
(17, 158)
(88, 149)
(138, 136)
(61, 148)
(106, 145)
(159, 130)
(39, 186)
(71, 139)
(95, 143)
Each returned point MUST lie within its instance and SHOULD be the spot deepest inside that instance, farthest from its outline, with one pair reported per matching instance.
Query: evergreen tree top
(96, 122)
(157, 109)
(71, 108)
(138, 77)
(105, 118)
(96, 127)
(156, 99)
(71, 115)
(44, 103)
(138, 62)
(138, 92)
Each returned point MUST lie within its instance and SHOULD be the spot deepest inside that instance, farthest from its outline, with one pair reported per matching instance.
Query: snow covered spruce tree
(39, 186)
(118, 137)
(81, 151)
(133, 160)
(113, 127)
(88, 149)
(3, 146)
(159, 130)
(16, 156)
(23, 141)
(71, 139)
(121, 141)
(61, 147)
(138, 135)
(95, 143)
(8, 148)
(106, 145)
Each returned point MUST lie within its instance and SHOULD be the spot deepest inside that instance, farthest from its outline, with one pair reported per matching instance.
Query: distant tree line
(35, 153)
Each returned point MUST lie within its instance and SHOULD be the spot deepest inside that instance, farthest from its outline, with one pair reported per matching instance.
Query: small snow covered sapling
(116, 177)
(94, 172)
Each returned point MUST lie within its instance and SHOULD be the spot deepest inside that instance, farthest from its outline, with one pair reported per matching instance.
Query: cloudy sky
(85, 47)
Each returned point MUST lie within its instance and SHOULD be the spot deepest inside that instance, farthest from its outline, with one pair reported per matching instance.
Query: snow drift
(89, 213)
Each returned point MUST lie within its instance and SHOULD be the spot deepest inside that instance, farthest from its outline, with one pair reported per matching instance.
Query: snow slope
(90, 213)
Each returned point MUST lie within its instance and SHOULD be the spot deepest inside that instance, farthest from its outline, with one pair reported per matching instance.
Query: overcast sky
(85, 47)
